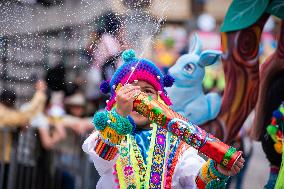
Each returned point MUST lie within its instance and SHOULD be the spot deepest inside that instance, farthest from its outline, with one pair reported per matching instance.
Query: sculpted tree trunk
(241, 67)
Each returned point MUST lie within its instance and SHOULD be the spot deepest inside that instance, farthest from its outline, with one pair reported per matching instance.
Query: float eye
(189, 68)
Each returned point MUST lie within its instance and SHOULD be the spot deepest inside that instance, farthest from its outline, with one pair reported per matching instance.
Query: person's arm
(112, 127)
(210, 177)
(193, 172)
(187, 169)
(49, 140)
(45, 138)
(37, 103)
(102, 146)
(213, 175)
(103, 166)
(11, 118)
(79, 125)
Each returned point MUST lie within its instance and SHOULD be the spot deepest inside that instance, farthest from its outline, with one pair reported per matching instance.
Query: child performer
(131, 152)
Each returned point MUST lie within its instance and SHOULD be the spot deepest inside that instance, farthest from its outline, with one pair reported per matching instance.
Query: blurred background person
(105, 52)
(49, 134)
(75, 107)
(12, 118)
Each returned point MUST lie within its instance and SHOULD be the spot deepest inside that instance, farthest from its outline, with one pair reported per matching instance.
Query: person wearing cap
(75, 117)
(131, 152)
(75, 104)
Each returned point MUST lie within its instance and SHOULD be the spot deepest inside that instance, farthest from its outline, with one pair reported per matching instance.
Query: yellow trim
(112, 135)
(134, 164)
(120, 174)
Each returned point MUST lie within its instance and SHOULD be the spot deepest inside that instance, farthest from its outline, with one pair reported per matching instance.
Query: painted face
(140, 120)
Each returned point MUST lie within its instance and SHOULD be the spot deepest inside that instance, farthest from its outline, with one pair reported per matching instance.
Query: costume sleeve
(112, 129)
(101, 164)
(103, 145)
(193, 172)
(209, 177)
(13, 118)
(187, 169)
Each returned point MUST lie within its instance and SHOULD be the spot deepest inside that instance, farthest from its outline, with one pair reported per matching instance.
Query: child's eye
(149, 92)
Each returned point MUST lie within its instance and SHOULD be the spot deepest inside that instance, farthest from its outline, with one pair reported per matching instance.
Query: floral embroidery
(158, 158)
(123, 151)
(155, 178)
(131, 169)
(128, 171)
(140, 162)
(157, 167)
(125, 171)
(160, 139)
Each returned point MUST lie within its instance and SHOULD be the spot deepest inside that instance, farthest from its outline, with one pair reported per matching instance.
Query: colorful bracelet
(111, 137)
(121, 124)
(104, 150)
(215, 184)
(213, 171)
(209, 177)
(205, 172)
(112, 126)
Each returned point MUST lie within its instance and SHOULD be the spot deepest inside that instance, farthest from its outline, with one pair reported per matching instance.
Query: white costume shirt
(184, 175)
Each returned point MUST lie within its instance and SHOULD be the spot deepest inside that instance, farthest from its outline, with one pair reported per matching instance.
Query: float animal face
(189, 70)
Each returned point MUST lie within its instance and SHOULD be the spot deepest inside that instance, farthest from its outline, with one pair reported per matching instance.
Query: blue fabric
(132, 123)
(142, 138)
(271, 181)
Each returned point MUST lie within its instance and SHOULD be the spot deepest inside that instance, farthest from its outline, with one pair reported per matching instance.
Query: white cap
(76, 100)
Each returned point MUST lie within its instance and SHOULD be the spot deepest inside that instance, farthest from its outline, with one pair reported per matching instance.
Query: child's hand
(124, 99)
(234, 170)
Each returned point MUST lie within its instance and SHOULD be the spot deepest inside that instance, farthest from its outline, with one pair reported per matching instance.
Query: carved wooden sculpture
(241, 33)
(241, 67)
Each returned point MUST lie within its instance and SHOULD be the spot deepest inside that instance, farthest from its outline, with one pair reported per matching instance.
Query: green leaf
(243, 13)
(276, 8)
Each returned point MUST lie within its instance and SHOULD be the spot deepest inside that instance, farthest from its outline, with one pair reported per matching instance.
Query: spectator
(10, 117)
(106, 52)
(55, 77)
(75, 105)
(41, 121)
(75, 108)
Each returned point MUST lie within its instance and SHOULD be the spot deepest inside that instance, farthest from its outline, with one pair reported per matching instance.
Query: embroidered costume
(127, 157)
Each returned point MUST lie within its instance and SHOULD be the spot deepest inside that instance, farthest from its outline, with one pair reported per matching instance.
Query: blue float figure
(187, 92)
